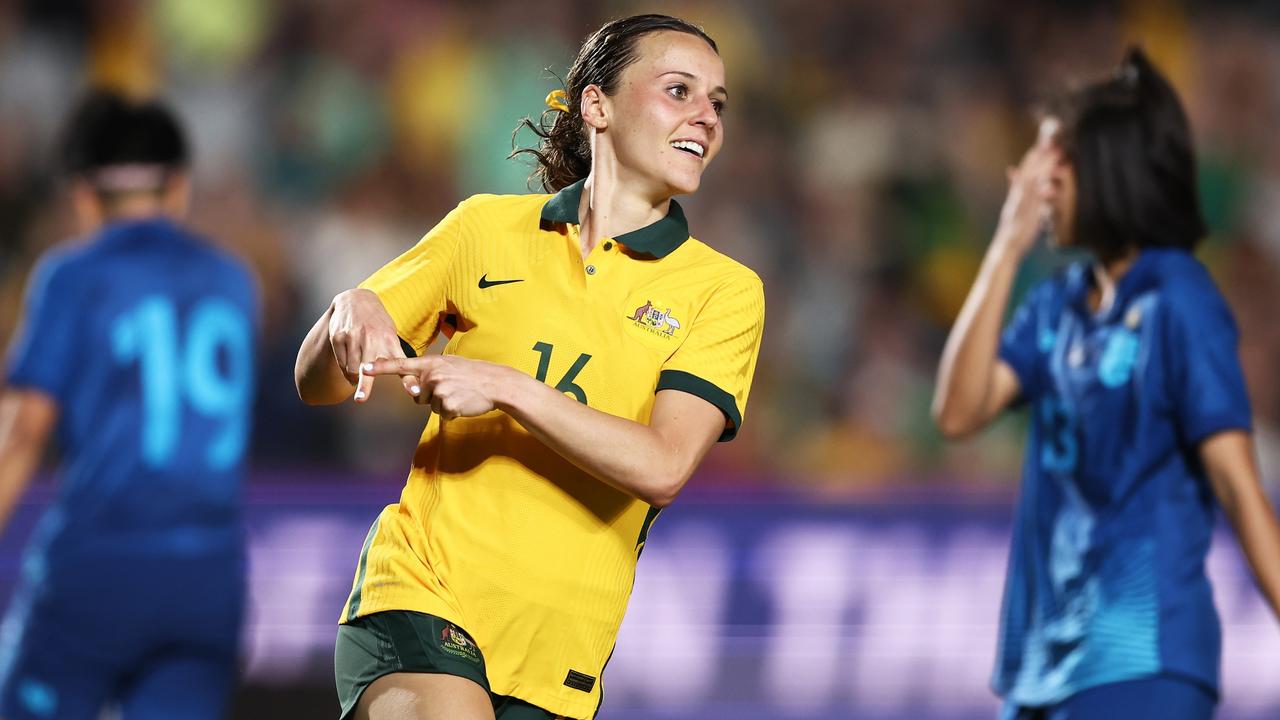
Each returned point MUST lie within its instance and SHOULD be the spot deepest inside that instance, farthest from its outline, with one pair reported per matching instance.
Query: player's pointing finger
(396, 366)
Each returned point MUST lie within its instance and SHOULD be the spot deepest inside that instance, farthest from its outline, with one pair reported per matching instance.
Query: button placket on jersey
(578, 274)
(598, 259)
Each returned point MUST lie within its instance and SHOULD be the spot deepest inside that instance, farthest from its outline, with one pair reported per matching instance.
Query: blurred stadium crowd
(862, 174)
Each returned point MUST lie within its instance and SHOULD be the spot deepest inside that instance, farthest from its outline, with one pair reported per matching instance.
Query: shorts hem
(349, 712)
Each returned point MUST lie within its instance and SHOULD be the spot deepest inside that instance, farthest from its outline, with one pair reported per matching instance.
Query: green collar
(658, 239)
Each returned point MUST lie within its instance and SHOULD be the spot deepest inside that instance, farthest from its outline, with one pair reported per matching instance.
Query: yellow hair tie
(558, 100)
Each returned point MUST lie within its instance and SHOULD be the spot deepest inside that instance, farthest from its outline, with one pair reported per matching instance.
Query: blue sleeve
(41, 353)
(1206, 381)
(1023, 343)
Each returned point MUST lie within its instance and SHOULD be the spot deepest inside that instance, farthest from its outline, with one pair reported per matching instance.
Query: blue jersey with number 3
(145, 339)
(1106, 573)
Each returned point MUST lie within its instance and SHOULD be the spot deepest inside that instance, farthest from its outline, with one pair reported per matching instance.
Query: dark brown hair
(564, 154)
(1129, 142)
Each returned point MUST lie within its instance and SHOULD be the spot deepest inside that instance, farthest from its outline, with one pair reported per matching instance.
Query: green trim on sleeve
(694, 385)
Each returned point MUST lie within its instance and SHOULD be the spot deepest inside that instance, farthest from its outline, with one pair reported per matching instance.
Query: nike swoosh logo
(485, 282)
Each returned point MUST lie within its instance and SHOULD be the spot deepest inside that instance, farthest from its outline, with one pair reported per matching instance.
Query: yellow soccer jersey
(495, 531)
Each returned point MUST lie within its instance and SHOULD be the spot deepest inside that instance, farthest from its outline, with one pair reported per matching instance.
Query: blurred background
(838, 558)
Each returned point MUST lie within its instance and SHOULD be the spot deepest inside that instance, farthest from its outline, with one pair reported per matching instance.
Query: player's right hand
(1025, 209)
(361, 331)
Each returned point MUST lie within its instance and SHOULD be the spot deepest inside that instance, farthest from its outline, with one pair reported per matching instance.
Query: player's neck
(611, 207)
(1106, 274)
(136, 205)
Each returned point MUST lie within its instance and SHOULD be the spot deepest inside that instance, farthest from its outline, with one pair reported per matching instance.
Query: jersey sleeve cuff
(1022, 369)
(33, 381)
(694, 385)
(1214, 424)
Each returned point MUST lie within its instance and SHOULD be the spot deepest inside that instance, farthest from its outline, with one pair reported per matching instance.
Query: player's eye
(719, 106)
(679, 91)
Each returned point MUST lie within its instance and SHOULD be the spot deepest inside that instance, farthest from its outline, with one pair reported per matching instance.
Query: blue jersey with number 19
(144, 337)
(1106, 575)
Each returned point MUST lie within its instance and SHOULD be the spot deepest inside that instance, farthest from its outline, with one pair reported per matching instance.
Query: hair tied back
(558, 100)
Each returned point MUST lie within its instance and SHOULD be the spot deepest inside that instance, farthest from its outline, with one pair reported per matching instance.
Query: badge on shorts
(37, 697)
(455, 642)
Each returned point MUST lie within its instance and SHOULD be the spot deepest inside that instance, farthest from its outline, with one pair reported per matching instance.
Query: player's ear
(86, 205)
(594, 107)
(177, 194)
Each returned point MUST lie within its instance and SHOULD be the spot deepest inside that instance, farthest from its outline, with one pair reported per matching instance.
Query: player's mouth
(691, 147)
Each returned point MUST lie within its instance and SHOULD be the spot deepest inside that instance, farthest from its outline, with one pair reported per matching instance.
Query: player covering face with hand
(596, 352)
(1128, 365)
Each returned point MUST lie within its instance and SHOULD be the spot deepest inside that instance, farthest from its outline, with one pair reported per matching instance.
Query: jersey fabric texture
(1163, 697)
(144, 338)
(495, 531)
(1106, 577)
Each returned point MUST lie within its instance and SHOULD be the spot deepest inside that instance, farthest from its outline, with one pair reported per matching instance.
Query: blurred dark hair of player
(1129, 142)
(124, 158)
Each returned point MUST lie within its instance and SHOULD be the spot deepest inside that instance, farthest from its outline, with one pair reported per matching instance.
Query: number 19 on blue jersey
(201, 362)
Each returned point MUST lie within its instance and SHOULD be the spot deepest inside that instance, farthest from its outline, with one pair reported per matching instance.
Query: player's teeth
(686, 145)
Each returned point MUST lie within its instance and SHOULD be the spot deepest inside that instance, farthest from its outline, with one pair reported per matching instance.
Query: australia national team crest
(655, 318)
(456, 642)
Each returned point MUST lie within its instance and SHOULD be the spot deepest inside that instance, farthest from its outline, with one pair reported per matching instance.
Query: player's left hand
(453, 386)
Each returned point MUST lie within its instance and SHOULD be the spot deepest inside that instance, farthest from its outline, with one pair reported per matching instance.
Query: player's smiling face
(665, 120)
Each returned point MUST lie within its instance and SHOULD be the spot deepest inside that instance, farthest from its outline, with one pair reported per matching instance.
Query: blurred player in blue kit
(136, 352)
(1139, 416)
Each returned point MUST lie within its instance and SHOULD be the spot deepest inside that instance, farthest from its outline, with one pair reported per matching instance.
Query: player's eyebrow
(717, 89)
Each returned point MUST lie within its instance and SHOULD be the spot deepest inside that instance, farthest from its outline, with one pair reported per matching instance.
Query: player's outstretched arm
(355, 329)
(1228, 458)
(974, 385)
(649, 462)
(27, 418)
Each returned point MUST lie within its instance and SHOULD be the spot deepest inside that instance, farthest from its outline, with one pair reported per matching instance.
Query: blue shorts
(155, 636)
(1162, 697)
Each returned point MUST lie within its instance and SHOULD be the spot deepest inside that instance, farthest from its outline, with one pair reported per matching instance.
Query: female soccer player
(596, 352)
(1139, 416)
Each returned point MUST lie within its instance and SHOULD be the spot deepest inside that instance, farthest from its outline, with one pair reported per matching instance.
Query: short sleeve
(1026, 340)
(414, 287)
(717, 359)
(1206, 385)
(42, 349)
